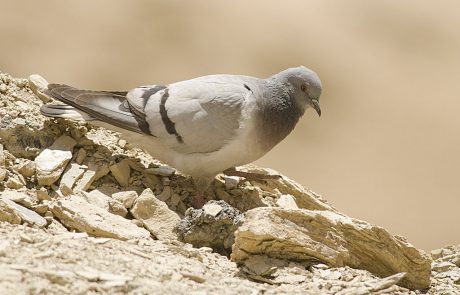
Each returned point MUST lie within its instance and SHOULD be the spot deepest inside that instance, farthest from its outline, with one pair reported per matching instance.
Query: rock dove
(201, 126)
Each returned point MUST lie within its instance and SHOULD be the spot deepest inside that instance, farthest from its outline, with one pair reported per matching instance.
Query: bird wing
(194, 116)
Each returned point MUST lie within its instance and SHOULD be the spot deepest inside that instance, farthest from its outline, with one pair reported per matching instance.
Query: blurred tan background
(387, 146)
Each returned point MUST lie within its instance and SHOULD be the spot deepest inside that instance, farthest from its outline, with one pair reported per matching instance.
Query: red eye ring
(303, 87)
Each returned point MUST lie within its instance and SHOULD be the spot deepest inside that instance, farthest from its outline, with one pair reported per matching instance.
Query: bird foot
(258, 177)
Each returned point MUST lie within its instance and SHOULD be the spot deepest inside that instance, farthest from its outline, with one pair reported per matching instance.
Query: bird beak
(315, 105)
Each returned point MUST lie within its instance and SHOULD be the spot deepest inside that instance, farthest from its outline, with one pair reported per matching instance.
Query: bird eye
(303, 87)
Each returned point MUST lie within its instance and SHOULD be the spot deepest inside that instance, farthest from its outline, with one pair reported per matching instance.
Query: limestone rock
(97, 198)
(75, 212)
(287, 202)
(72, 174)
(155, 215)
(212, 226)
(37, 84)
(15, 213)
(121, 171)
(51, 162)
(127, 198)
(332, 238)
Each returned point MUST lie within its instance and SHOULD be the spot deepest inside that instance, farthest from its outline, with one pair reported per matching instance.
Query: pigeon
(202, 126)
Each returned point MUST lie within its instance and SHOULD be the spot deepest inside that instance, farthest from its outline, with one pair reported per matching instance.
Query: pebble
(231, 182)
(121, 171)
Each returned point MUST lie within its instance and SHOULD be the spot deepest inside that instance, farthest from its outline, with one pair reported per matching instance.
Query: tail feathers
(111, 107)
(64, 111)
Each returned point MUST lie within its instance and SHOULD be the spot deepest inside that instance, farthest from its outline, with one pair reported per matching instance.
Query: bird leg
(201, 185)
(258, 177)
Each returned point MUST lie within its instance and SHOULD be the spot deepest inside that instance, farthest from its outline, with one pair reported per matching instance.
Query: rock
(38, 84)
(155, 215)
(14, 183)
(81, 155)
(85, 181)
(42, 194)
(127, 198)
(19, 197)
(72, 174)
(51, 162)
(212, 226)
(75, 212)
(26, 168)
(231, 182)
(286, 202)
(3, 173)
(117, 208)
(8, 213)
(443, 266)
(97, 198)
(332, 238)
(121, 171)
(15, 213)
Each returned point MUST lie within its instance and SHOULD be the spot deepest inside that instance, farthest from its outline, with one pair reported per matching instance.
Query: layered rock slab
(331, 238)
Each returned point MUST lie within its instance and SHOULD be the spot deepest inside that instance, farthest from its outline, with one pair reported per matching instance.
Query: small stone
(8, 213)
(51, 162)
(156, 216)
(40, 208)
(212, 209)
(3, 88)
(25, 214)
(38, 84)
(117, 208)
(122, 143)
(71, 175)
(85, 181)
(121, 171)
(5, 247)
(65, 190)
(443, 266)
(42, 194)
(75, 212)
(14, 183)
(97, 198)
(3, 173)
(81, 155)
(127, 198)
(26, 168)
(19, 197)
(231, 182)
(287, 202)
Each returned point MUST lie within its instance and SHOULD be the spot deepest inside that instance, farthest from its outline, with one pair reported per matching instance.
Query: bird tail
(88, 105)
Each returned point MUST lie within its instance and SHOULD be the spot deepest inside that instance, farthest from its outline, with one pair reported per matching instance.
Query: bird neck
(279, 114)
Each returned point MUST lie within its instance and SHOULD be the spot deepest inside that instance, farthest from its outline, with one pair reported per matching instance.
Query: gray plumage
(201, 126)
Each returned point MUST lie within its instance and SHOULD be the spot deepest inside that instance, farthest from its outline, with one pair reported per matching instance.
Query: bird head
(304, 87)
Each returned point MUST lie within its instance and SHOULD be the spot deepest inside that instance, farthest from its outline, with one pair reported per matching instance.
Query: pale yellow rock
(85, 181)
(72, 174)
(332, 238)
(121, 171)
(9, 211)
(155, 215)
(51, 162)
(286, 202)
(127, 198)
(75, 212)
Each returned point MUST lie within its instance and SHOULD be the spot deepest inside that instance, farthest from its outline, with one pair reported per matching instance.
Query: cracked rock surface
(85, 212)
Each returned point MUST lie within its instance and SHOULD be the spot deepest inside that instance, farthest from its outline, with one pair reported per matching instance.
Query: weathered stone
(165, 194)
(25, 214)
(97, 198)
(72, 174)
(20, 197)
(51, 162)
(127, 198)
(212, 226)
(75, 212)
(26, 168)
(286, 202)
(155, 215)
(42, 194)
(14, 183)
(117, 208)
(121, 171)
(85, 181)
(81, 155)
(8, 213)
(38, 84)
(3, 173)
(231, 182)
(332, 238)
